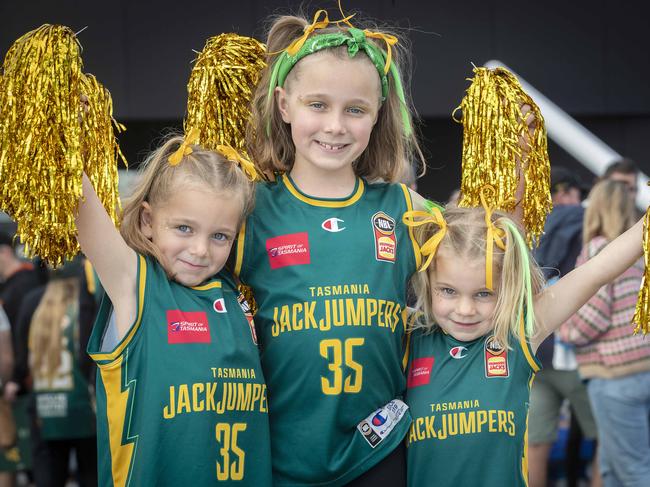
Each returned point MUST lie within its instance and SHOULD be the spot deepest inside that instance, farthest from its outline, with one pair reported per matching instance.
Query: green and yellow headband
(356, 40)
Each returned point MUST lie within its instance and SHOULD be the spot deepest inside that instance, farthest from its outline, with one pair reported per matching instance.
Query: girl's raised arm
(114, 261)
(558, 302)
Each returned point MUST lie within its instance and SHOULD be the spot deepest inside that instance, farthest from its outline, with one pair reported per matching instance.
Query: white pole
(574, 138)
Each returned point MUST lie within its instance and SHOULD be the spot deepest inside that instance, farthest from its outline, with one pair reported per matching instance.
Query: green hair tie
(356, 40)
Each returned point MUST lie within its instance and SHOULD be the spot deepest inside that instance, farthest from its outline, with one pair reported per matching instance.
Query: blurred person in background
(18, 277)
(558, 381)
(52, 332)
(614, 360)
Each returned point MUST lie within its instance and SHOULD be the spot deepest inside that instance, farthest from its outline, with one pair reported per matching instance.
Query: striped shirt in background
(602, 329)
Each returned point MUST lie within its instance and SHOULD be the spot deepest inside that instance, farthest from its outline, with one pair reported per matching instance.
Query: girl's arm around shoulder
(114, 261)
(558, 302)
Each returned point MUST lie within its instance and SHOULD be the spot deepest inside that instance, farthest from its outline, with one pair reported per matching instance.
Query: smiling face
(194, 229)
(332, 105)
(460, 303)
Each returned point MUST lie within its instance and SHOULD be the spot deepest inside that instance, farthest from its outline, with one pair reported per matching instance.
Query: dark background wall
(592, 58)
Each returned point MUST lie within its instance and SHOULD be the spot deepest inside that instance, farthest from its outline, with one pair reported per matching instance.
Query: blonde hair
(60, 299)
(465, 238)
(160, 179)
(389, 152)
(611, 211)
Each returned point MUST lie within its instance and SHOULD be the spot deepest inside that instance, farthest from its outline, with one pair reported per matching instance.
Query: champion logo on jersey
(378, 419)
(333, 225)
(458, 352)
(187, 327)
(287, 250)
(219, 305)
(419, 373)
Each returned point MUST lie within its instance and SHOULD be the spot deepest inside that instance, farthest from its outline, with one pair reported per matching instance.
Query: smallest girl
(472, 358)
(180, 392)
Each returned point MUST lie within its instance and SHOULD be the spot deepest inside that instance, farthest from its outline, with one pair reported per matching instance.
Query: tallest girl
(326, 253)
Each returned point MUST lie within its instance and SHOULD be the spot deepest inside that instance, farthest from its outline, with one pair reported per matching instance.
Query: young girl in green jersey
(326, 253)
(180, 395)
(472, 356)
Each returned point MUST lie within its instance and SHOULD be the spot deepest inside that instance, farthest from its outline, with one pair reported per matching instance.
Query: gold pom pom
(43, 137)
(642, 312)
(497, 144)
(220, 89)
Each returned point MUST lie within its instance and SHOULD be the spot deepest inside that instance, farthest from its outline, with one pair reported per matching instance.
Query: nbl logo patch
(187, 327)
(383, 227)
(496, 358)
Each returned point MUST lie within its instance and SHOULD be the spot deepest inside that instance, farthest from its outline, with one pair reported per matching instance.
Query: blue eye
(220, 237)
(317, 105)
(356, 110)
(183, 228)
(446, 291)
(484, 294)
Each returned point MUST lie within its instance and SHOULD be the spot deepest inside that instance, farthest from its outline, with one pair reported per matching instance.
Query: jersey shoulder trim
(102, 358)
(409, 207)
(526, 348)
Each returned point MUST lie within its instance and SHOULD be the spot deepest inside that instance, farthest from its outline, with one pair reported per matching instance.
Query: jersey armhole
(409, 207)
(105, 359)
(532, 360)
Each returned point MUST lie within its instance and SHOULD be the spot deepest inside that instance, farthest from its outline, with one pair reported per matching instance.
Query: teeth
(331, 147)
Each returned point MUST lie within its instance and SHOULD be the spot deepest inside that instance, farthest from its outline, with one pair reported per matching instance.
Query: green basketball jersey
(329, 277)
(469, 402)
(181, 400)
(63, 403)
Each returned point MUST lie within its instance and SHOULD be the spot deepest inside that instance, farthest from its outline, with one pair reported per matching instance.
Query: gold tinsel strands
(220, 89)
(493, 131)
(41, 134)
(101, 150)
(642, 312)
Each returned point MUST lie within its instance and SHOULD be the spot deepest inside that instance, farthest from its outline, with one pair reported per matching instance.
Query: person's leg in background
(621, 407)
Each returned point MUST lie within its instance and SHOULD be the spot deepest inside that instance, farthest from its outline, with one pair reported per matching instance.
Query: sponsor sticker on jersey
(458, 352)
(380, 423)
(290, 249)
(248, 314)
(219, 305)
(333, 225)
(383, 227)
(496, 358)
(187, 326)
(419, 373)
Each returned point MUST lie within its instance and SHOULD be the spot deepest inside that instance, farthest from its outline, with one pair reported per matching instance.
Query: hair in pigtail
(520, 280)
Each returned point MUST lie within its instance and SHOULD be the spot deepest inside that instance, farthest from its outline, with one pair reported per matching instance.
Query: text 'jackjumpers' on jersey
(469, 402)
(181, 400)
(329, 277)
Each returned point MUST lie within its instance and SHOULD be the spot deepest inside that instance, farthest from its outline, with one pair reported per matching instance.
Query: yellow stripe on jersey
(524, 459)
(409, 207)
(90, 277)
(142, 274)
(239, 250)
(210, 285)
(525, 346)
(324, 203)
(117, 402)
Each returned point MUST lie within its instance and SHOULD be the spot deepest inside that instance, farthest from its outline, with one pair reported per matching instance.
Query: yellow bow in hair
(416, 218)
(232, 155)
(389, 39)
(295, 46)
(185, 148)
(495, 235)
